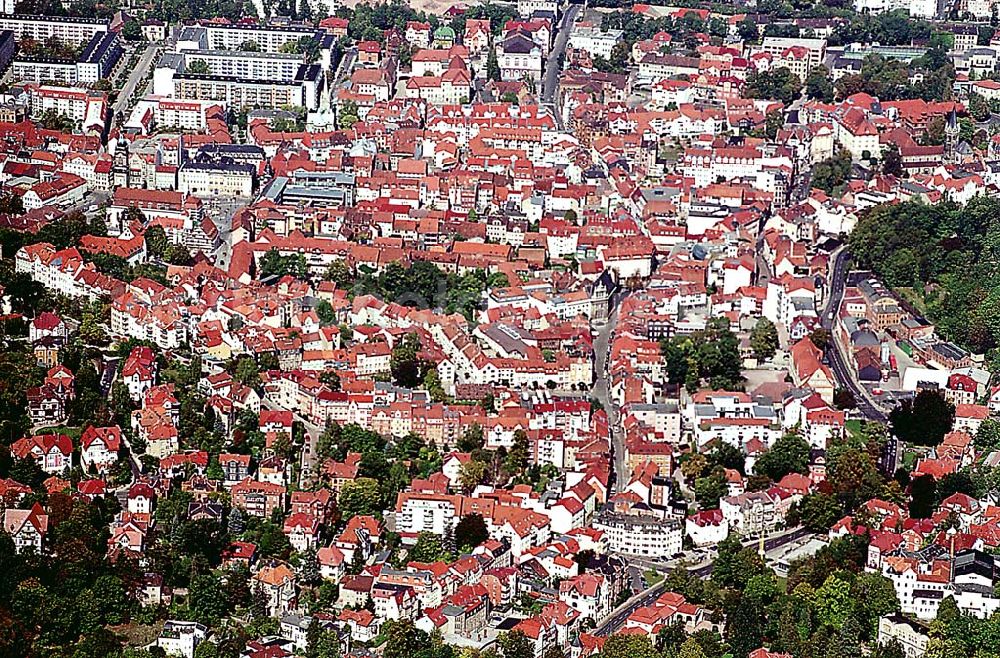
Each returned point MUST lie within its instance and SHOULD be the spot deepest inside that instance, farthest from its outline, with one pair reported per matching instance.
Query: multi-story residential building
(589, 594)
(280, 67)
(277, 581)
(646, 536)
(417, 513)
(453, 87)
(65, 28)
(98, 60)
(528, 8)
(301, 91)
(757, 512)
(269, 38)
(258, 498)
(8, 47)
(916, 8)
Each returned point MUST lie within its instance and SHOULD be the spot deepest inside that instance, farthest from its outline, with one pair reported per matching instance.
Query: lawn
(71, 432)
(854, 427)
(652, 577)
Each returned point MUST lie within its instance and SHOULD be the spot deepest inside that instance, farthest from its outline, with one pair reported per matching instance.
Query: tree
(979, 108)
(710, 489)
(764, 339)
(156, 240)
(789, 454)
(843, 398)
(198, 67)
(628, 646)
(923, 496)
(250, 46)
(132, 31)
(325, 313)
(471, 531)
(52, 119)
(403, 639)
(348, 114)
(236, 522)
(832, 172)
(890, 649)
(834, 602)
(339, 273)
(471, 474)
(246, 372)
(774, 122)
(820, 337)
(405, 363)
(875, 597)
(727, 455)
(780, 84)
(273, 264)
(691, 649)
(935, 130)
(988, 436)
(694, 466)
(748, 30)
(817, 511)
(321, 643)
(206, 650)
(11, 204)
(360, 497)
(853, 477)
(178, 254)
(892, 161)
(712, 355)
(206, 600)
(515, 644)
(924, 420)
(818, 84)
(471, 439)
(518, 454)
(492, 66)
(555, 651)
(309, 567)
(427, 549)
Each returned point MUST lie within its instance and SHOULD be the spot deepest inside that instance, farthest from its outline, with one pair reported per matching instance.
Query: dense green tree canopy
(948, 254)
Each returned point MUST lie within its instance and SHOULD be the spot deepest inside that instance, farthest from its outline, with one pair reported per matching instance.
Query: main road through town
(616, 620)
(553, 63)
(838, 363)
(138, 73)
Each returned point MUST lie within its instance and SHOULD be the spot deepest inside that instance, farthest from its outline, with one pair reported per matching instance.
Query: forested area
(948, 254)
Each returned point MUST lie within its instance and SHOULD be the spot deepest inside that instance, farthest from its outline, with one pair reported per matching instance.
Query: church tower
(951, 132)
(120, 166)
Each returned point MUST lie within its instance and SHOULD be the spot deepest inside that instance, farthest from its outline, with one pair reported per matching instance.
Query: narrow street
(312, 434)
(602, 352)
